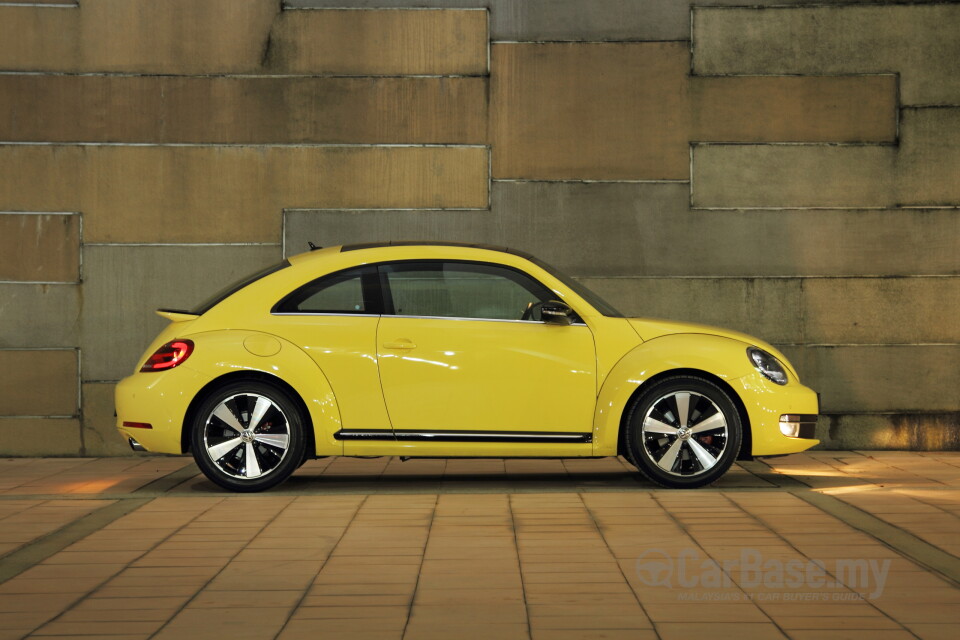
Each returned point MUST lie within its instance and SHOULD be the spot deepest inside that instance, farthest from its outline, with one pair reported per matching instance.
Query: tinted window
(225, 293)
(461, 290)
(348, 292)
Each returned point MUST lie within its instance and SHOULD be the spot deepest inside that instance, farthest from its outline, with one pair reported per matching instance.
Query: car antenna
(312, 246)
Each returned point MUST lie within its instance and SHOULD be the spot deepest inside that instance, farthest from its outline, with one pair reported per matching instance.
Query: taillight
(169, 356)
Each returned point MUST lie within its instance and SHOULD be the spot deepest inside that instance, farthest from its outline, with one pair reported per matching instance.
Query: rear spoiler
(176, 315)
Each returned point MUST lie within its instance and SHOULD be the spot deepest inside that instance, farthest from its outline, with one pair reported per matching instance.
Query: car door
(458, 361)
(334, 320)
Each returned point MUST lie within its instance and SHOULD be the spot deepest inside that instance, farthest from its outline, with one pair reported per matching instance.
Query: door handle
(402, 343)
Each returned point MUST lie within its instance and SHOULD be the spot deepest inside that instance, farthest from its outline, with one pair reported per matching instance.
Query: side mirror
(555, 312)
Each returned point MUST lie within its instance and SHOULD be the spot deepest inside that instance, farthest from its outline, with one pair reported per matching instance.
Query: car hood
(650, 328)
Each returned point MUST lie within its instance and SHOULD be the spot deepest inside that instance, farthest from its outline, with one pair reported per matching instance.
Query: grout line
(354, 209)
(323, 564)
(42, 5)
(287, 7)
(423, 557)
(165, 483)
(588, 181)
(582, 41)
(613, 555)
(182, 244)
(837, 583)
(244, 76)
(43, 282)
(282, 145)
(906, 544)
(32, 554)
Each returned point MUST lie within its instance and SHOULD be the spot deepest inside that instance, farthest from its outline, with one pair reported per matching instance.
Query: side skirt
(404, 435)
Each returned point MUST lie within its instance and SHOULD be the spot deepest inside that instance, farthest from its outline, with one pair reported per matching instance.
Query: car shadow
(333, 484)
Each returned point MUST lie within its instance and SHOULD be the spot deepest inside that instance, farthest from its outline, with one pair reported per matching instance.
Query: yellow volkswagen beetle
(427, 349)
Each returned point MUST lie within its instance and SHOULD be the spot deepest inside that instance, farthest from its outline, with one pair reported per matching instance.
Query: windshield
(581, 290)
(226, 292)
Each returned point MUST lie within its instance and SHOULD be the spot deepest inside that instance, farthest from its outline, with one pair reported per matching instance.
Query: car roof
(432, 243)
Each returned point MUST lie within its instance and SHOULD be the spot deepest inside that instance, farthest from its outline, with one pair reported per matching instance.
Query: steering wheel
(529, 311)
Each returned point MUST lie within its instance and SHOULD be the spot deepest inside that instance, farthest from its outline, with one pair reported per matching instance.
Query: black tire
(683, 456)
(223, 440)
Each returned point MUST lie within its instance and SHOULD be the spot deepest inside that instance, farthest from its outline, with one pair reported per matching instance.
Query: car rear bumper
(151, 407)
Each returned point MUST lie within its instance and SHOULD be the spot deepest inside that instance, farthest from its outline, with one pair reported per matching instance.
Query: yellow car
(426, 349)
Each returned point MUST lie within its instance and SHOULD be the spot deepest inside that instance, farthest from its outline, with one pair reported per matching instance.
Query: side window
(462, 290)
(354, 291)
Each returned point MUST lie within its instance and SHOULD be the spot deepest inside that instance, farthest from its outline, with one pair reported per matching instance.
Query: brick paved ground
(818, 545)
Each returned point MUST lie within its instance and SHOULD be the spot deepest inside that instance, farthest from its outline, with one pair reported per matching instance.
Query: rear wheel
(248, 436)
(683, 432)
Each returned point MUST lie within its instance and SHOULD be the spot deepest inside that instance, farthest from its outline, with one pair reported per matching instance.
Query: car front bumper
(782, 418)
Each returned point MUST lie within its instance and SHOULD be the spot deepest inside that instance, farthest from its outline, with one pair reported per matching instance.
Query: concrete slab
(127, 283)
(648, 229)
(230, 193)
(39, 382)
(243, 110)
(881, 378)
(252, 36)
(917, 41)
(39, 247)
(39, 314)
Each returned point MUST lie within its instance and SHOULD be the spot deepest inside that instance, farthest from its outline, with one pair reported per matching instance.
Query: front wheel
(683, 432)
(248, 436)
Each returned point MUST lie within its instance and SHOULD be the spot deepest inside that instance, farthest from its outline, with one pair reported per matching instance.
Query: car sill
(462, 436)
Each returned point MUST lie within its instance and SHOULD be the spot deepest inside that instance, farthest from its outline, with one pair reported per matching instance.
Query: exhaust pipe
(136, 446)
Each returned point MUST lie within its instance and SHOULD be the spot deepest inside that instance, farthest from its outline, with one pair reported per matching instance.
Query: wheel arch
(746, 443)
(254, 376)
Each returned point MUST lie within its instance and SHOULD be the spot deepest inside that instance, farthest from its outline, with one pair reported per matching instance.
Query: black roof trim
(432, 243)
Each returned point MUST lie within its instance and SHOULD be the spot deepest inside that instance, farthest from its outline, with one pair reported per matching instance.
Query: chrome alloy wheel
(246, 436)
(684, 433)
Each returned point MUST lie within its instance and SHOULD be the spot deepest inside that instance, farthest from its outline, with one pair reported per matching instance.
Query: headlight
(768, 365)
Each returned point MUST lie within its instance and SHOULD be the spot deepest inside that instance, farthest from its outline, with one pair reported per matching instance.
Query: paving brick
(39, 437)
(38, 382)
(147, 278)
(870, 379)
(39, 314)
(39, 247)
(876, 311)
(239, 36)
(918, 41)
(242, 109)
(229, 193)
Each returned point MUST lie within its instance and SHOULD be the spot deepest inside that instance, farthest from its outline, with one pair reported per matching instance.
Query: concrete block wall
(792, 171)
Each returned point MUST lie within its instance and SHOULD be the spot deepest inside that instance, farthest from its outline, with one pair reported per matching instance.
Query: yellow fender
(231, 351)
(724, 358)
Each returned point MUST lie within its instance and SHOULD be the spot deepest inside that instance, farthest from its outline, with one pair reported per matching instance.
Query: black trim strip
(462, 436)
